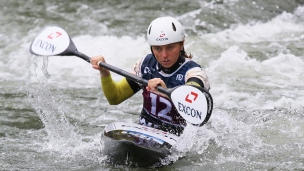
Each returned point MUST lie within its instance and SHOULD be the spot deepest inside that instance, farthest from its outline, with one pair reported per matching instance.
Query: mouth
(165, 62)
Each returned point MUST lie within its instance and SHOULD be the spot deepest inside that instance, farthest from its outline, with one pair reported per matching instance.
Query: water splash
(63, 139)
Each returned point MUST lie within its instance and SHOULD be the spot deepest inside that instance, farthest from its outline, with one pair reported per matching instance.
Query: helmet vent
(173, 26)
(150, 29)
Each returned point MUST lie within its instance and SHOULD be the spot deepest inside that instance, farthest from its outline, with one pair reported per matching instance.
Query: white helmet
(165, 30)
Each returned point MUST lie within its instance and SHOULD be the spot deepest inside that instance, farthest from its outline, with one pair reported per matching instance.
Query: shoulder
(136, 70)
(196, 71)
(187, 66)
(191, 64)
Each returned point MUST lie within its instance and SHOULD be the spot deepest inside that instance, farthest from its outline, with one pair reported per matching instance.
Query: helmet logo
(162, 37)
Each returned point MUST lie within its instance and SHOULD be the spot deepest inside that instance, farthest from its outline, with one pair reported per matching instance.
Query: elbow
(113, 103)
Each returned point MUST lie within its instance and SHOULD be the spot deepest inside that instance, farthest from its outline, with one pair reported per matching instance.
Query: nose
(164, 53)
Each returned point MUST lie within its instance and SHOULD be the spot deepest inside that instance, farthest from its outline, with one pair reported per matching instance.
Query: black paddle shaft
(121, 72)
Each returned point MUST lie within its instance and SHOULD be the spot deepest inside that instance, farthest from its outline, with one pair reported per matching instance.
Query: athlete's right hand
(103, 71)
(153, 83)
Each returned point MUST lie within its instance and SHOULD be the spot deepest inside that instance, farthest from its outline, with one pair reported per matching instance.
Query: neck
(175, 66)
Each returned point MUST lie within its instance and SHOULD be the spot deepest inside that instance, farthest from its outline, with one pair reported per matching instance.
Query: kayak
(136, 145)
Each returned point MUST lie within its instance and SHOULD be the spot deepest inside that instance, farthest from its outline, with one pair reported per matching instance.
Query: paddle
(194, 104)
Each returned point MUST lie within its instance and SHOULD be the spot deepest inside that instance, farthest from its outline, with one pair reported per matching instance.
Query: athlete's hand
(103, 71)
(153, 83)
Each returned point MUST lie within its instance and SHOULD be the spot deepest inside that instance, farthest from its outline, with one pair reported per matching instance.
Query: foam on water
(237, 75)
(75, 72)
(252, 96)
(274, 34)
(242, 82)
(257, 119)
(64, 141)
(121, 52)
(238, 83)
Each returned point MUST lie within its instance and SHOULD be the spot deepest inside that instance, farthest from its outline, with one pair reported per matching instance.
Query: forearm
(197, 77)
(116, 92)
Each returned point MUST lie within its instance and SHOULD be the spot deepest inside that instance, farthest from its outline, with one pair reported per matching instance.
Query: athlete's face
(167, 55)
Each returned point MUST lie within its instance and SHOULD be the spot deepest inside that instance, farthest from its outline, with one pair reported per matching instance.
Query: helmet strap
(179, 62)
(170, 70)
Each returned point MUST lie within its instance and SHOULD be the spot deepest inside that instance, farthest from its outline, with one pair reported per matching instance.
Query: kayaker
(168, 66)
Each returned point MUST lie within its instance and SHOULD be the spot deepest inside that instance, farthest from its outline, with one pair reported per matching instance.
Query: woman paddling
(168, 66)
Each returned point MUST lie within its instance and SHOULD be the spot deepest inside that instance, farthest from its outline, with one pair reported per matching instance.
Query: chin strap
(178, 63)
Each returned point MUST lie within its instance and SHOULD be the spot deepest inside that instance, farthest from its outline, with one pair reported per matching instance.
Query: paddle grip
(131, 76)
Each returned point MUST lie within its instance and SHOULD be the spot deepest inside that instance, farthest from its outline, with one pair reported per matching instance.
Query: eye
(156, 48)
(170, 47)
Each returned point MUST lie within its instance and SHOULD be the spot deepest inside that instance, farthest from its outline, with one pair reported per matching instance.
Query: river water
(52, 110)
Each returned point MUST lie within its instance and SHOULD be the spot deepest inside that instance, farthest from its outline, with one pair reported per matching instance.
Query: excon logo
(45, 45)
(161, 39)
(189, 111)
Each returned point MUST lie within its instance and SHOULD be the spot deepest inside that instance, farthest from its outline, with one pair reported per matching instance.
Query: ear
(182, 44)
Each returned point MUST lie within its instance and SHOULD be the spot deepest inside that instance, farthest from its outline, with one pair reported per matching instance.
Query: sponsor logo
(52, 35)
(45, 46)
(193, 94)
(149, 129)
(189, 111)
(147, 70)
(179, 77)
(162, 35)
(144, 136)
(161, 39)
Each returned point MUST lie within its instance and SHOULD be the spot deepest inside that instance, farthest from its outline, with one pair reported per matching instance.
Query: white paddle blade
(51, 41)
(191, 104)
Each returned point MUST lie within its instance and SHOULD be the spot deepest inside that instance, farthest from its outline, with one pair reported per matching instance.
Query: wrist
(104, 74)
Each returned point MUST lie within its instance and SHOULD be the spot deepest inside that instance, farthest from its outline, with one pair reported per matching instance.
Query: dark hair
(184, 54)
